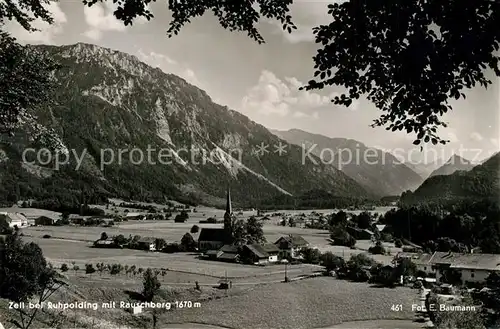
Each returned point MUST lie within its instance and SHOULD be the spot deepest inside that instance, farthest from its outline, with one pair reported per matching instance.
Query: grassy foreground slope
(311, 303)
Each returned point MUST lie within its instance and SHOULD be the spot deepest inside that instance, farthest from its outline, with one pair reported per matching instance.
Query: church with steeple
(228, 219)
(215, 238)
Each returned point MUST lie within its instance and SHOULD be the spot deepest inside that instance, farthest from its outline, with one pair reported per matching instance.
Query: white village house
(135, 216)
(14, 219)
(421, 260)
(473, 267)
(147, 243)
(290, 246)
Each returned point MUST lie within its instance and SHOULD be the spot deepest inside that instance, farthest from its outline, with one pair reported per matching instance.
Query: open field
(60, 251)
(311, 303)
(258, 298)
(32, 213)
(72, 243)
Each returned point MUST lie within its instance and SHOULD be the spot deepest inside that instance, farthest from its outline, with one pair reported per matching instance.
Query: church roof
(212, 234)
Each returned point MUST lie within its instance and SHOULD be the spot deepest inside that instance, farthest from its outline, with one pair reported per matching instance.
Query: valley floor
(258, 298)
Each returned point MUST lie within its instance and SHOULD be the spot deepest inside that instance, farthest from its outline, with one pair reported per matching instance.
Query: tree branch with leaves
(25, 274)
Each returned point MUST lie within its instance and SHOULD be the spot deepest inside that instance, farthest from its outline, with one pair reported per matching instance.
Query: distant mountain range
(454, 163)
(424, 170)
(481, 182)
(111, 100)
(379, 172)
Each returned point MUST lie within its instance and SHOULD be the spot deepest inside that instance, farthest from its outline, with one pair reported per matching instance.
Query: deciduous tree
(26, 84)
(254, 229)
(25, 274)
(151, 285)
(332, 262)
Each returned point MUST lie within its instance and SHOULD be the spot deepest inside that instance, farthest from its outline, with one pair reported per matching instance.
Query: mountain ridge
(453, 164)
(481, 182)
(111, 100)
(383, 177)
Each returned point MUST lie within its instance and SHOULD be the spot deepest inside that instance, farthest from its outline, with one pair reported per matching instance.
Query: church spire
(229, 208)
(228, 219)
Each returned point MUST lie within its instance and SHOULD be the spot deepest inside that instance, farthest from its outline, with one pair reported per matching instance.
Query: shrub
(182, 217)
(188, 243)
(195, 229)
(173, 247)
(89, 269)
(332, 262)
(378, 249)
(310, 255)
(115, 269)
(341, 237)
(46, 236)
(160, 244)
(64, 267)
(357, 267)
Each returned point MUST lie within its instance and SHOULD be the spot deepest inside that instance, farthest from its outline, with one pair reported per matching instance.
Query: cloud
(299, 114)
(46, 32)
(100, 18)
(190, 77)
(475, 136)
(93, 34)
(169, 65)
(273, 96)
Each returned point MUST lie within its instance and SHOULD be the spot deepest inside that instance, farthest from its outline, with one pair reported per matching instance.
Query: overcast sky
(261, 81)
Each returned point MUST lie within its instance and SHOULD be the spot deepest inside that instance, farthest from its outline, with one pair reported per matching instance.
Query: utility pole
(286, 270)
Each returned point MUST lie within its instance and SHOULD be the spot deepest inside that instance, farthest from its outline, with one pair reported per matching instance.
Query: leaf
(427, 138)
(416, 142)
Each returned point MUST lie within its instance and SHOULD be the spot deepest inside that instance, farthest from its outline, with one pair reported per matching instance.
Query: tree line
(458, 227)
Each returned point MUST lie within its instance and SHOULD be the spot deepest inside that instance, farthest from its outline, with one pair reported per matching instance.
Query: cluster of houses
(144, 243)
(217, 244)
(286, 247)
(473, 267)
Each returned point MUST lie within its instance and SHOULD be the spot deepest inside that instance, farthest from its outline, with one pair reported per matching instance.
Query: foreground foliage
(454, 227)
(25, 274)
